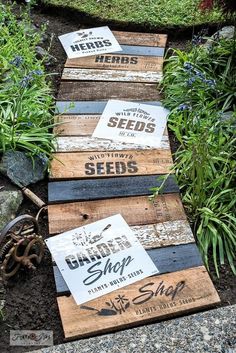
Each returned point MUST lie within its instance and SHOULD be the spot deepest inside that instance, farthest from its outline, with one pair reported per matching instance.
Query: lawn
(149, 13)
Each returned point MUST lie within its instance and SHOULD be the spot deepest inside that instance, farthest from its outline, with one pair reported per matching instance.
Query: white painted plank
(77, 144)
(110, 75)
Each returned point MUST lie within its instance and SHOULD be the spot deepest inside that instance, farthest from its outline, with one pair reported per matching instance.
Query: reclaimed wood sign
(93, 178)
(154, 298)
(91, 41)
(135, 123)
(99, 258)
(109, 164)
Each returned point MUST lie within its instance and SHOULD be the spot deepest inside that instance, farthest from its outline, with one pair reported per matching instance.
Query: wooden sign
(137, 210)
(118, 62)
(137, 38)
(124, 163)
(92, 91)
(78, 125)
(87, 107)
(106, 188)
(150, 299)
(110, 75)
(169, 259)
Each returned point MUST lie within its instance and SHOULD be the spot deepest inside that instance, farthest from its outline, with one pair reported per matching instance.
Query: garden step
(210, 331)
(92, 179)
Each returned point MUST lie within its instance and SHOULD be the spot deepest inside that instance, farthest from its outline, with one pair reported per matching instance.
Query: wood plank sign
(91, 41)
(130, 122)
(154, 298)
(96, 164)
(99, 258)
(107, 165)
(118, 62)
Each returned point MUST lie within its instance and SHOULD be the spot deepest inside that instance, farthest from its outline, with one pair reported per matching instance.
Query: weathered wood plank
(138, 38)
(107, 90)
(136, 210)
(166, 296)
(110, 75)
(164, 234)
(84, 143)
(106, 188)
(78, 125)
(118, 62)
(88, 107)
(168, 259)
(141, 50)
(74, 165)
(75, 125)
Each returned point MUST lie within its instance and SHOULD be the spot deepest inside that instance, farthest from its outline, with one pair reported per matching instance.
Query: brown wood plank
(127, 162)
(166, 296)
(110, 75)
(138, 38)
(117, 62)
(90, 91)
(78, 125)
(137, 210)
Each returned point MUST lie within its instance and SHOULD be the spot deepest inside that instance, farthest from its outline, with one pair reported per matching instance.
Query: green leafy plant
(26, 103)
(200, 88)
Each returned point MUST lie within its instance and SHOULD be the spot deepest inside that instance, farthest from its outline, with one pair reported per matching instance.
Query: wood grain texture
(168, 259)
(73, 165)
(170, 294)
(92, 91)
(164, 234)
(141, 50)
(138, 38)
(84, 143)
(88, 107)
(137, 210)
(110, 75)
(117, 62)
(78, 125)
(107, 188)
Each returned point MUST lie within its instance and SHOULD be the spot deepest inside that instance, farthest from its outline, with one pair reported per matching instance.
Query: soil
(31, 296)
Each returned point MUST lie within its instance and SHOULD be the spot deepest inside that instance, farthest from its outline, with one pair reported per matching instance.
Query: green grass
(149, 13)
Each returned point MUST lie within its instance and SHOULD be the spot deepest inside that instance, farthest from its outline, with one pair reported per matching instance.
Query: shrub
(199, 88)
(25, 100)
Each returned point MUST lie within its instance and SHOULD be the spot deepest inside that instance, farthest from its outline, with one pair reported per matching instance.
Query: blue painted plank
(88, 107)
(141, 50)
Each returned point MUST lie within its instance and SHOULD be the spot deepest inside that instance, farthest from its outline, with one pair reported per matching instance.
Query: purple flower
(211, 83)
(37, 72)
(25, 81)
(183, 107)
(191, 80)
(17, 61)
(188, 66)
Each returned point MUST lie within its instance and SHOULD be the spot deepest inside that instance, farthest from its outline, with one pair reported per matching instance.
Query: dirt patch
(31, 297)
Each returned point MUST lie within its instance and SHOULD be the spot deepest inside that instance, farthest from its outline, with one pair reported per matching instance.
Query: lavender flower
(183, 107)
(191, 80)
(188, 66)
(17, 61)
(25, 81)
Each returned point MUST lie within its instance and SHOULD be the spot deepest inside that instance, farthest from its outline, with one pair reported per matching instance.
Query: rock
(41, 53)
(9, 204)
(227, 32)
(21, 169)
